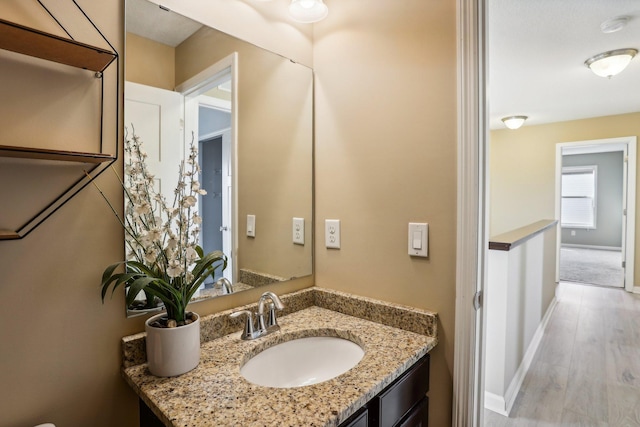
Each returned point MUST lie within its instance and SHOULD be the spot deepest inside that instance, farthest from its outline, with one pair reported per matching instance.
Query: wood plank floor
(586, 371)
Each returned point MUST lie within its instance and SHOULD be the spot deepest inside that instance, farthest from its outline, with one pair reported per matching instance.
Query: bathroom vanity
(387, 387)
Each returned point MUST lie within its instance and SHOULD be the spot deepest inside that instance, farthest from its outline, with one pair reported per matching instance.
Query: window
(579, 197)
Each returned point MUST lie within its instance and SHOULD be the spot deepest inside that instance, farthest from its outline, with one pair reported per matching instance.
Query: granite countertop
(215, 394)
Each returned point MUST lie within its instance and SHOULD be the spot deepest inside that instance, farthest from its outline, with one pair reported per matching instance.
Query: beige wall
(149, 63)
(60, 348)
(386, 155)
(522, 168)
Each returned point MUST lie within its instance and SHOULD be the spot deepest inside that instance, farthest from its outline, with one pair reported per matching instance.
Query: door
(215, 160)
(155, 115)
(208, 121)
(609, 268)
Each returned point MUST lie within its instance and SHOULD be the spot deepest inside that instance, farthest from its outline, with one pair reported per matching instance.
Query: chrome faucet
(225, 284)
(271, 323)
(264, 326)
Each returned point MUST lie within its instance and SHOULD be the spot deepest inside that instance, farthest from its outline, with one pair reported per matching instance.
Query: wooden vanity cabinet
(403, 403)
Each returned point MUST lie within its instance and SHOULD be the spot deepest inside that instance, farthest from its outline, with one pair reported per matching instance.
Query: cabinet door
(147, 417)
(419, 416)
(361, 419)
(400, 397)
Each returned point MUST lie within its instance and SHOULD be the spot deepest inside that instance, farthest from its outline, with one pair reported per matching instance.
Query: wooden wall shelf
(46, 154)
(32, 42)
(67, 51)
(8, 235)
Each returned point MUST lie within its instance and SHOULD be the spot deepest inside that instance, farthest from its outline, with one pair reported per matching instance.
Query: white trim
(471, 224)
(213, 134)
(503, 404)
(602, 248)
(595, 148)
(630, 242)
(607, 145)
(495, 403)
(214, 103)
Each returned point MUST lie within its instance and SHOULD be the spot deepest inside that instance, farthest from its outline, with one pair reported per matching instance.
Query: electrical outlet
(298, 231)
(332, 233)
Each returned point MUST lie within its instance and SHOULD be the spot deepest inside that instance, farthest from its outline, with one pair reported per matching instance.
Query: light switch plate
(298, 231)
(332, 233)
(251, 225)
(418, 239)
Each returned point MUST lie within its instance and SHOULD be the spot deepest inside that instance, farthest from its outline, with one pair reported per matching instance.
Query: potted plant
(164, 259)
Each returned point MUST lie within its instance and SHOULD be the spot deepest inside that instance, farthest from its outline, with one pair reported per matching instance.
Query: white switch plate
(418, 239)
(251, 225)
(298, 231)
(332, 233)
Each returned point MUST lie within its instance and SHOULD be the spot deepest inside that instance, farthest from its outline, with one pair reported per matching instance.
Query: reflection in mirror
(250, 112)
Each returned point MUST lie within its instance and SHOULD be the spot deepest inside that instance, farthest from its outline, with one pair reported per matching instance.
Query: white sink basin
(302, 362)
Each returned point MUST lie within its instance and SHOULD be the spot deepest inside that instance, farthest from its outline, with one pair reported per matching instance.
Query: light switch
(298, 231)
(418, 239)
(251, 225)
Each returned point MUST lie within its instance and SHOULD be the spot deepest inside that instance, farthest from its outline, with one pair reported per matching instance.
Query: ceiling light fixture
(308, 11)
(610, 63)
(614, 24)
(514, 122)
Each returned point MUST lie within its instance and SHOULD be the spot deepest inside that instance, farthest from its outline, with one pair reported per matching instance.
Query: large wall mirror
(249, 112)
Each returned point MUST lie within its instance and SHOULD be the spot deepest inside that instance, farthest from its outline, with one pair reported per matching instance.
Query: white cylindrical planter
(172, 351)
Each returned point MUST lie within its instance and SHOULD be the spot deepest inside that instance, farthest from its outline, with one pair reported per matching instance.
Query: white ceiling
(148, 20)
(537, 50)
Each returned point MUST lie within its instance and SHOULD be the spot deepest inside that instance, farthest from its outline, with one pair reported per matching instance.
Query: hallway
(586, 371)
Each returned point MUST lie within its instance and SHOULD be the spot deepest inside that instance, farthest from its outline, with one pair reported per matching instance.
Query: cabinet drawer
(397, 400)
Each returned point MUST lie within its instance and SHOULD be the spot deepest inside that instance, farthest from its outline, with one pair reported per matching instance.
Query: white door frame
(472, 229)
(195, 86)
(626, 144)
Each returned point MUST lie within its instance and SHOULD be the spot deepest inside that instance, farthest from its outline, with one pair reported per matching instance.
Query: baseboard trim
(495, 403)
(503, 404)
(602, 248)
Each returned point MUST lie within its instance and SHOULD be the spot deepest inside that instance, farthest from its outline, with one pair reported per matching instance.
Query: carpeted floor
(592, 266)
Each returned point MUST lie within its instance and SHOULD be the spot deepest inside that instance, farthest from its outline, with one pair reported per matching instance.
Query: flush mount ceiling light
(610, 63)
(308, 11)
(614, 24)
(514, 122)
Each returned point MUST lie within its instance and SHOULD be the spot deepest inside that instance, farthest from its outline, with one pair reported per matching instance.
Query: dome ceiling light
(610, 63)
(308, 11)
(514, 122)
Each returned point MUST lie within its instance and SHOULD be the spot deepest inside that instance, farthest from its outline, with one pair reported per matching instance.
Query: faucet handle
(272, 321)
(248, 332)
